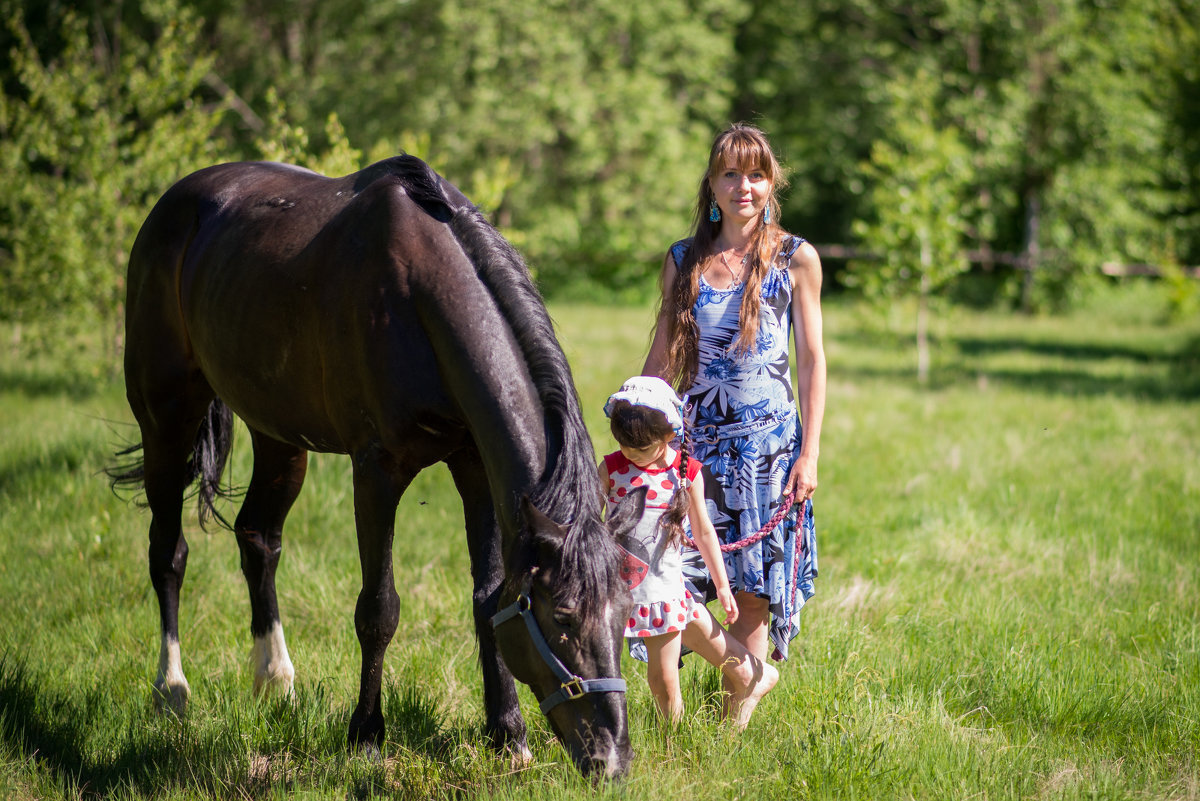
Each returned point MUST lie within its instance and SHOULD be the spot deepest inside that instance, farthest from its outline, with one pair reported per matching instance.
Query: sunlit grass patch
(1007, 605)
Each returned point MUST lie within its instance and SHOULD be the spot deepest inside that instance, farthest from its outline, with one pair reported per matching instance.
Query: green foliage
(289, 143)
(582, 133)
(1183, 293)
(1067, 107)
(918, 178)
(88, 140)
(1179, 60)
(1090, 126)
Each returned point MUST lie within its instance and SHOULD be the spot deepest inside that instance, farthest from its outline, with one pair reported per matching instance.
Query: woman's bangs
(744, 153)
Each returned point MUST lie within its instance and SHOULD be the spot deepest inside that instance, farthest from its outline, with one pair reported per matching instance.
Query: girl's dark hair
(641, 426)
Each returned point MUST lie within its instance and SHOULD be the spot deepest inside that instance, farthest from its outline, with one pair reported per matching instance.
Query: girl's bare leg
(663, 674)
(753, 623)
(752, 628)
(747, 678)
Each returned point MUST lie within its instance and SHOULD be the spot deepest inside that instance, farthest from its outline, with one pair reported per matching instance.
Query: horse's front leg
(279, 471)
(504, 724)
(378, 486)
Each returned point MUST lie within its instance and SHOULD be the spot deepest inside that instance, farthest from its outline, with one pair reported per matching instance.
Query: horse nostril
(604, 770)
(611, 766)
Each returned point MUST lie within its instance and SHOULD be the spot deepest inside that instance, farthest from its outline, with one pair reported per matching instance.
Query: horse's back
(275, 282)
(271, 211)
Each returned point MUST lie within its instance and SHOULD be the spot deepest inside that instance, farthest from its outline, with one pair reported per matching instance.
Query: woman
(730, 295)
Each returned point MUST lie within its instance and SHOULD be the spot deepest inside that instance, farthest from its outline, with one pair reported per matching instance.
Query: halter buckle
(573, 688)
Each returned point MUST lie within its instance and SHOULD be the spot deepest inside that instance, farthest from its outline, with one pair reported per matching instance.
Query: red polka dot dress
(653, 568)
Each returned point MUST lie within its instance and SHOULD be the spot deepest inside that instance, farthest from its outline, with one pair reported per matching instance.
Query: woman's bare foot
(739, 706)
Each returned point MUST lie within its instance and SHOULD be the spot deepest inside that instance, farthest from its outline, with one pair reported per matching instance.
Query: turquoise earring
(767, 214)
(714, 213)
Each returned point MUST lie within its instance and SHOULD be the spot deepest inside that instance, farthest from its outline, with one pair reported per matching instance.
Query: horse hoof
(273, 671)
(369, 751)
(172, 697)
(520, 758)
(282, 686)
(366, 736)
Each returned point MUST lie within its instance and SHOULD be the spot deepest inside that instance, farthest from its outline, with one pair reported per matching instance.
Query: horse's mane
(569, 490)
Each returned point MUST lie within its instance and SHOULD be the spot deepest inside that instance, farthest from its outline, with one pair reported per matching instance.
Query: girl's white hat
(651, 391)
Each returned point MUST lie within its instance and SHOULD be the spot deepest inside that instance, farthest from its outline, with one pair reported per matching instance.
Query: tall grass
(1007, 606)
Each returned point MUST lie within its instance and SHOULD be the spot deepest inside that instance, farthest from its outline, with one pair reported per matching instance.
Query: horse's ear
(628, 512)
(548, 536)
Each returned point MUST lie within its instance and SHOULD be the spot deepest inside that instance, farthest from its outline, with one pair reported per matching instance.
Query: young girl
(645, 417)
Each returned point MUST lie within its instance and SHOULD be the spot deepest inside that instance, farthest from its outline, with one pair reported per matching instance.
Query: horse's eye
(564, 617)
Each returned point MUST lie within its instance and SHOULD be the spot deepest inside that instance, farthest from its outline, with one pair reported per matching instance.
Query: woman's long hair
(639, 427)
(746, 147)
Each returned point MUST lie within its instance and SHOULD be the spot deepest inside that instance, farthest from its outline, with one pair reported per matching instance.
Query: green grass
(1008, 605)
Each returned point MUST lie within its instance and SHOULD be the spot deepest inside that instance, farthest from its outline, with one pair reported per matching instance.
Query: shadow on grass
(18, 475)
(40, 383)
(963, 360)
(52, 731)
(282, 745)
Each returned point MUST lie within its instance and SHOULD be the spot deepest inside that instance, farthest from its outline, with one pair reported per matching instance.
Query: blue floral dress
(744, 429)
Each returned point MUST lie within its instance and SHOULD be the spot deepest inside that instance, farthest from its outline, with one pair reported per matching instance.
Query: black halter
(572, 686)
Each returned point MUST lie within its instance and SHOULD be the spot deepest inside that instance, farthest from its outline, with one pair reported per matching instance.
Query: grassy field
(1008, 605)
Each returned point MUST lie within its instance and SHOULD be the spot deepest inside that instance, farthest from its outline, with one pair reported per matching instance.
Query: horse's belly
(279, 405)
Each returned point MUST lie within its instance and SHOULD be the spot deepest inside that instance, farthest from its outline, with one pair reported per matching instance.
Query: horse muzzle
(606, 760)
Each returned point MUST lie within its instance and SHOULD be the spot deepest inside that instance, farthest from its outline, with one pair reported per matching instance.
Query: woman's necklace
(734, 277)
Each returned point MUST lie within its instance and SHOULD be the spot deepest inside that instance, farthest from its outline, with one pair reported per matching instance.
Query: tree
(1178, 52)
(918, 177)
(1061, 102)
(88, 140)
(1065, 93)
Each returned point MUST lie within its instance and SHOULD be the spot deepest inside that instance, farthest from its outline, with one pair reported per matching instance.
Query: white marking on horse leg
(171, 689)
(520, 758)
(273, 671)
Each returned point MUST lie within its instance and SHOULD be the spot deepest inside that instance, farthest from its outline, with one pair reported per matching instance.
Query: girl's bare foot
(740, 706)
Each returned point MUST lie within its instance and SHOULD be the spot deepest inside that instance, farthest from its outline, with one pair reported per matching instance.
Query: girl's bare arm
(705, 537)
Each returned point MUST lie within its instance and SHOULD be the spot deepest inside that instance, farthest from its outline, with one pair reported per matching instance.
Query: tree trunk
(1030, 250)
(923, 313)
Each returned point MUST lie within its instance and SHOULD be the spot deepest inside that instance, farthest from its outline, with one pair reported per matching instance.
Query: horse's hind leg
(279, 471)
(168, 439)
(166, 479)
(504, 724)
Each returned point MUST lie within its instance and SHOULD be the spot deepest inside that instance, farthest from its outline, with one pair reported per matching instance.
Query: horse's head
(560, 630)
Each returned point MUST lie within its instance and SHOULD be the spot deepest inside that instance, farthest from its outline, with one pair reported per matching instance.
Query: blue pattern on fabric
(743, 428)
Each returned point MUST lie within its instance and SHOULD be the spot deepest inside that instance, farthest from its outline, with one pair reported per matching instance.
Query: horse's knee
(258, 551)
(376, 617)
(167, 557)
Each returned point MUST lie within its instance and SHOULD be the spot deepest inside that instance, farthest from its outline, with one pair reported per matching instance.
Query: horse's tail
(210, 452)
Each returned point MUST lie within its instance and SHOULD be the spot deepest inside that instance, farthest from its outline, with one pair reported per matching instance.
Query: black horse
(381, 316)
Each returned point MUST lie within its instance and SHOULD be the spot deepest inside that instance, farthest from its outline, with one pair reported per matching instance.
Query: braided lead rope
(784, 507)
